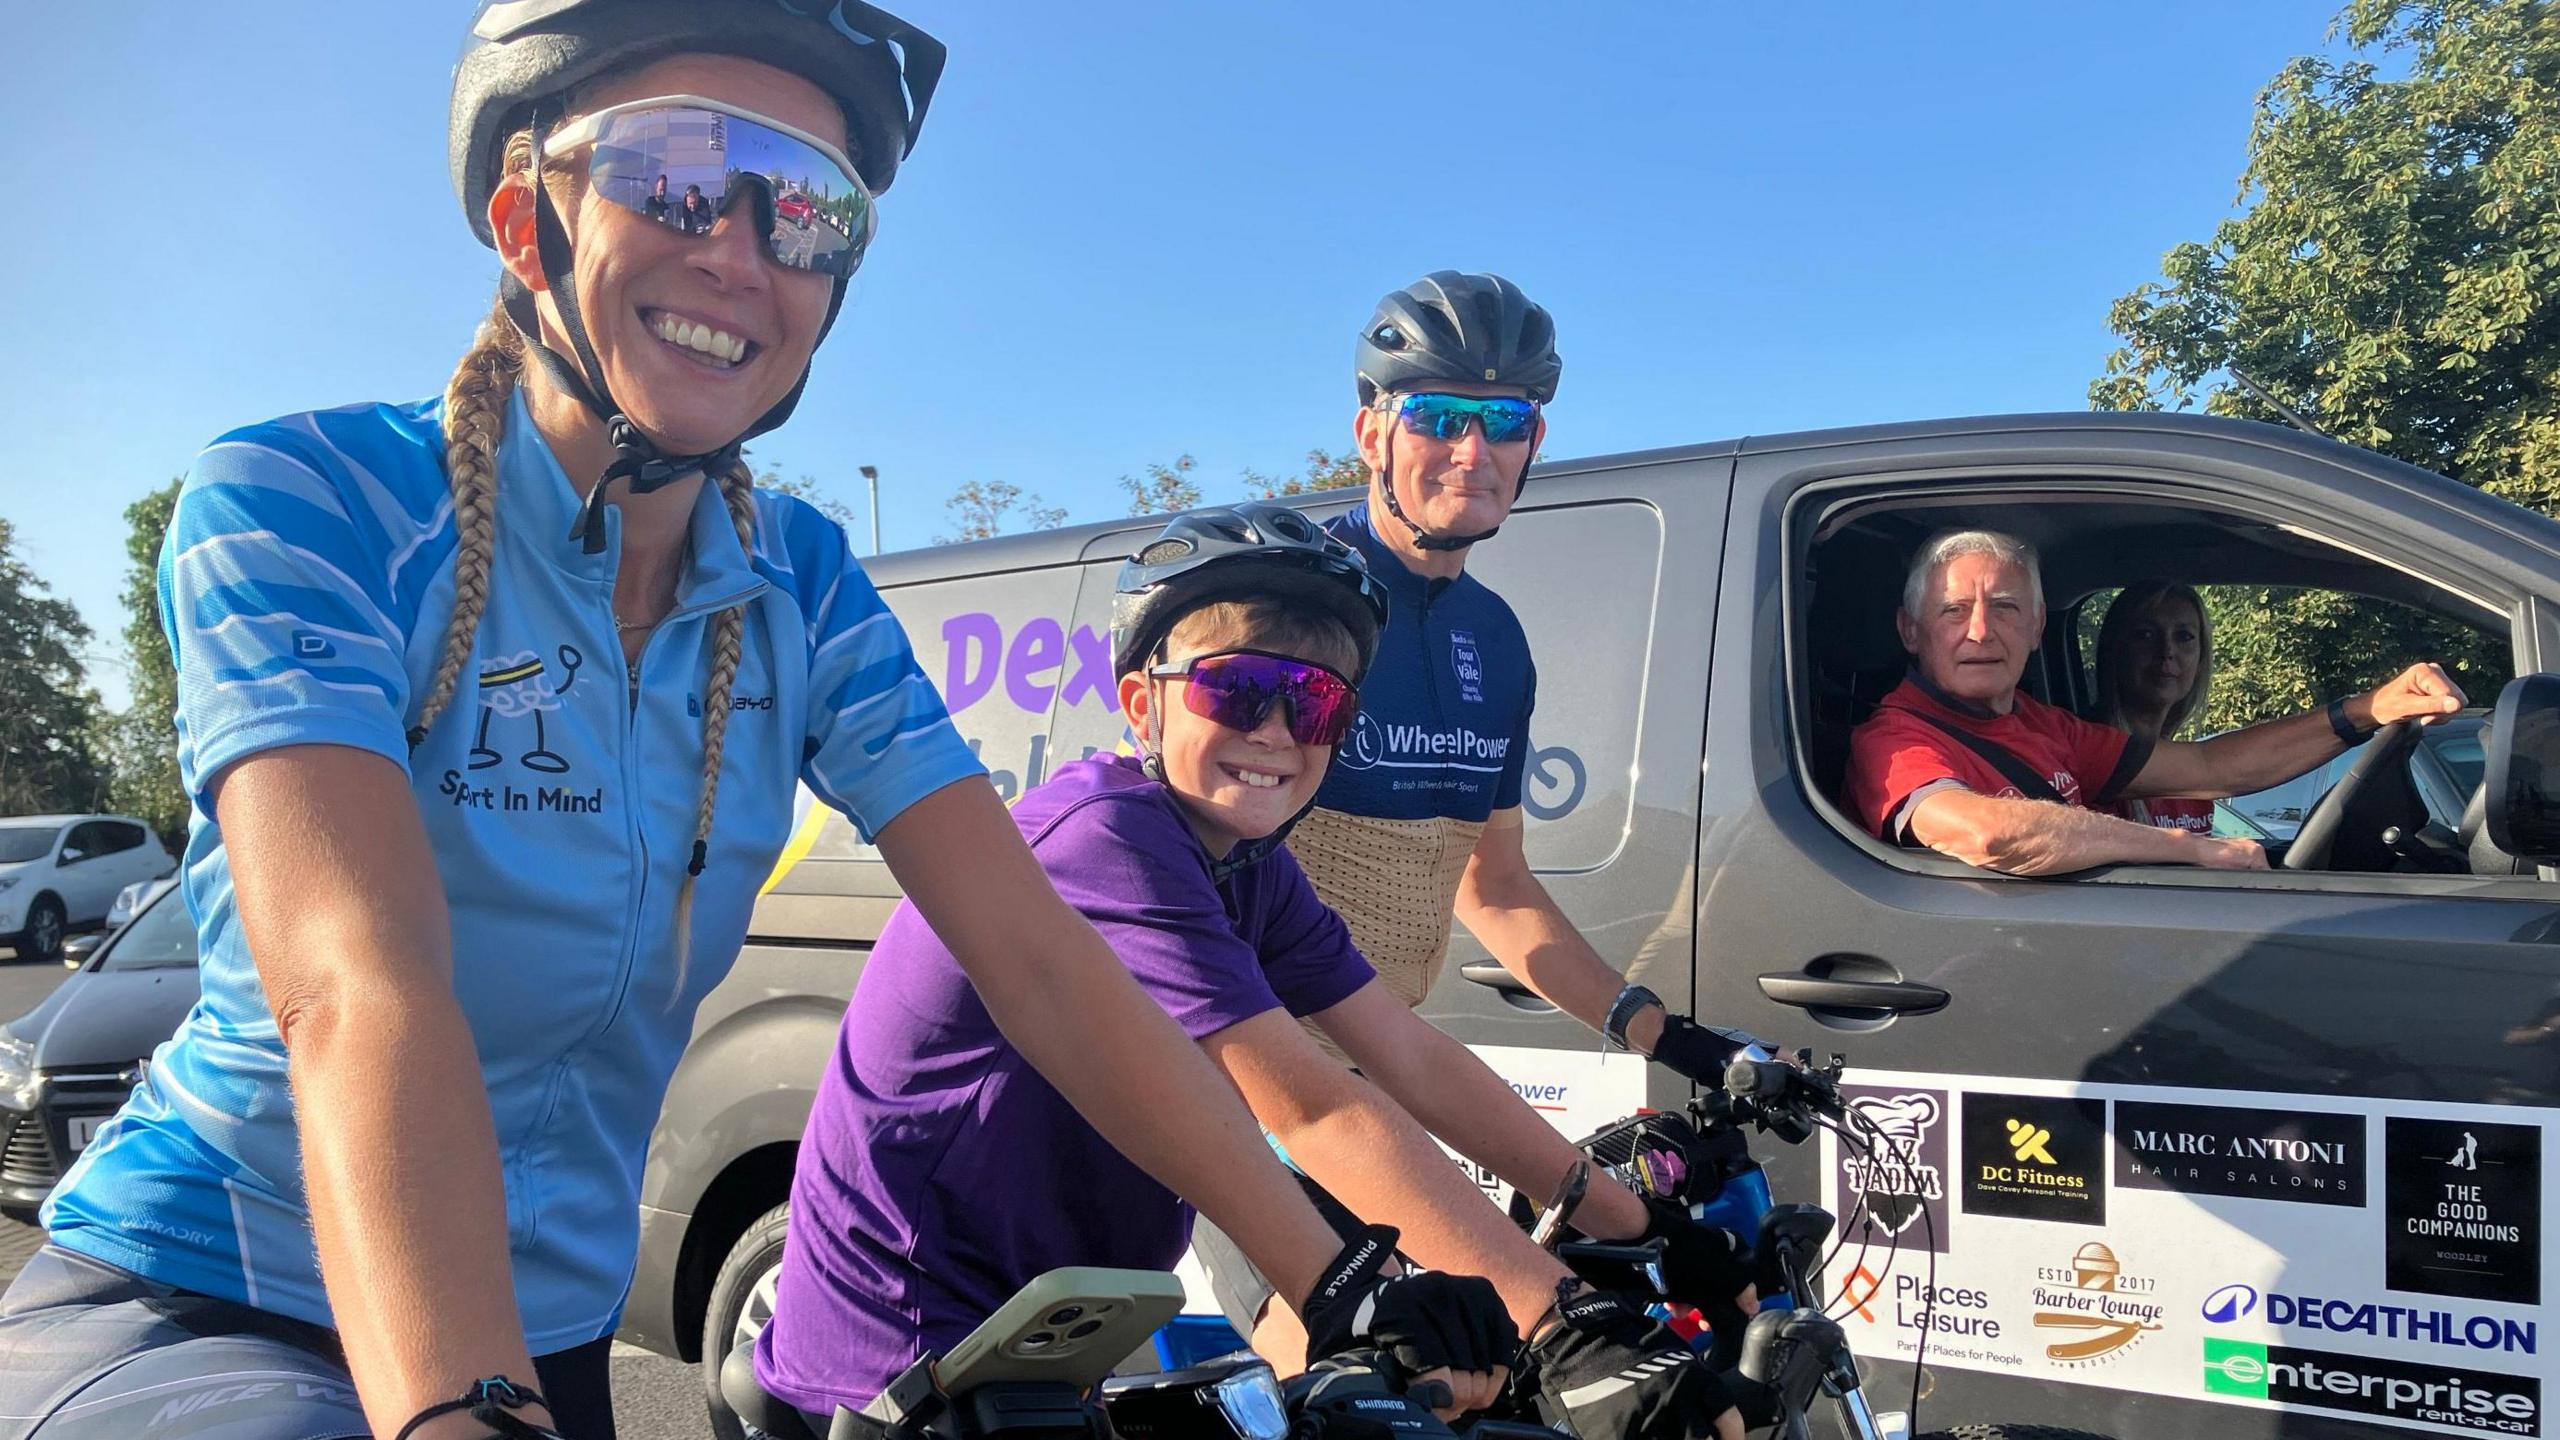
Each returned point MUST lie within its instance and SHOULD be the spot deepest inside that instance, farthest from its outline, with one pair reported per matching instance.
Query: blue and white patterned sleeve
(879, 737)
(277, 597)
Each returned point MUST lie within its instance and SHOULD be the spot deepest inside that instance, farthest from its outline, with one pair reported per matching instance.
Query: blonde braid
(475, 418)
(728, 635)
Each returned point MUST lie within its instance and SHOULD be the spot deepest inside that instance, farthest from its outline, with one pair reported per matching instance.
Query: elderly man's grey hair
(1946, 545)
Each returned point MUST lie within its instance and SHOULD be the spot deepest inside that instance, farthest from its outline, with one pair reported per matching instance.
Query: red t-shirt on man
(1896, 757)
(2169, 813)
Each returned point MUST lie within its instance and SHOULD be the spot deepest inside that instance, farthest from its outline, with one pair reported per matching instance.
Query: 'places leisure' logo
(2402, 1390)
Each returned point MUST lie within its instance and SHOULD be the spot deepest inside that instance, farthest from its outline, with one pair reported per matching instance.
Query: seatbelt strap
(1999, 757)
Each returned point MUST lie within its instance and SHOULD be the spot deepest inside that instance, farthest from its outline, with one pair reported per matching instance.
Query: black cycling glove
(1698, 1052)
(1422, 1319)
(1702, 1265)
(1607, 1369)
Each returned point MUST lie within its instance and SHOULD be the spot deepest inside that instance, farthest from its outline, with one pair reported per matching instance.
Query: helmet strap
(1424, 539)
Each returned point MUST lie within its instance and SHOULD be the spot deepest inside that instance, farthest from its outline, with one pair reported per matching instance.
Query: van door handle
(1852, 983)
(1514, 992)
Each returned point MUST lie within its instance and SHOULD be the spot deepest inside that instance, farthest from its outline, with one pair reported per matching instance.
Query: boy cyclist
(939, 1172)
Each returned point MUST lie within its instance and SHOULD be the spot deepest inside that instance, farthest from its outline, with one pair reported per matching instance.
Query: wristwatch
(1623, 1009)
(2344, 728)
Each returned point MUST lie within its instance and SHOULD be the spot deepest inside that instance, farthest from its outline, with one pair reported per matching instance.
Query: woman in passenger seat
(2155, 668)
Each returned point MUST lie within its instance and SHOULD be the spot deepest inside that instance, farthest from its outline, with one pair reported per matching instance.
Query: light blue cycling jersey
(305, 587)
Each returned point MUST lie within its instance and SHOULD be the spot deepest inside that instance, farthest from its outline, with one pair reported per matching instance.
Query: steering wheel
(2318, 838)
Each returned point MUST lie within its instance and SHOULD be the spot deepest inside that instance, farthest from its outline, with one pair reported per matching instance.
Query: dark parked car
(67, 1065)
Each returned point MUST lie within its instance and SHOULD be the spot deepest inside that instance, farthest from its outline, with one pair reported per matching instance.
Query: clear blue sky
(1134, 230)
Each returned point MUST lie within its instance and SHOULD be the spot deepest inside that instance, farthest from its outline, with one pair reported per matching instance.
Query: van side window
(2290, 622)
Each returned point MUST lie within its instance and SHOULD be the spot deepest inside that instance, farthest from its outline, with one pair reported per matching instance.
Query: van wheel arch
(753, 1184)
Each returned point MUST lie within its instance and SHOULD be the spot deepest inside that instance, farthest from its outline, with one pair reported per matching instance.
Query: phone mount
(914, 1407)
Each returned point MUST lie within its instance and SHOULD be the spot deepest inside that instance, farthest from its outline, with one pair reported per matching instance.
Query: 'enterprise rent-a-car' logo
(2384, 1320)
(2369, 1385)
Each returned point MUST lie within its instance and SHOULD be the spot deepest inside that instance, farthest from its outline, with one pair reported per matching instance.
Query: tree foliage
(1165, 489)
(2393, 274)
(810, 490)
(1325, 471)
(48, 714)
(984, 509)
(142, 742)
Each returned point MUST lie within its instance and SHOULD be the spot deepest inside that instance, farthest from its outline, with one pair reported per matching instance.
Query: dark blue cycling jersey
(1444, 713)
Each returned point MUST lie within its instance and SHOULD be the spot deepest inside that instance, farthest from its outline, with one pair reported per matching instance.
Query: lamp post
(872, 474)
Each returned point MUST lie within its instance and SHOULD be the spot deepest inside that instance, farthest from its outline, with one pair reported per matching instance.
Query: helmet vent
(1387, 337)
(1165, 551)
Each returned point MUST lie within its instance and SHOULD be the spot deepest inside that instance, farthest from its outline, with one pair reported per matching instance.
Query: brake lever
(1642, 1257)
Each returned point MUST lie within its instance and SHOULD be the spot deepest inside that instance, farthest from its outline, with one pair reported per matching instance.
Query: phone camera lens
(1065, 1315)
(1085, 1329)
(1038, 1340)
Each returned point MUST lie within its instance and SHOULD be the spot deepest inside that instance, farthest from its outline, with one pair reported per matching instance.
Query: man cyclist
(1420, 822)
(939, 1174)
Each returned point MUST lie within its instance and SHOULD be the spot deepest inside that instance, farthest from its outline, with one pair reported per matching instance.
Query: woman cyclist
(492, 709)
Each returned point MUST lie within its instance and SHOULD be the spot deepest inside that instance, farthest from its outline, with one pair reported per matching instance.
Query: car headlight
(18, 1085)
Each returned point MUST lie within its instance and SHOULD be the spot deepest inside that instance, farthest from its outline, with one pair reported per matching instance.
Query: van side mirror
(77, 950)
(2520, 796)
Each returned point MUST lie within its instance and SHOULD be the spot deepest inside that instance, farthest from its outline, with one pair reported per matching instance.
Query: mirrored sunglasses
(685, 162)
(1237, 688)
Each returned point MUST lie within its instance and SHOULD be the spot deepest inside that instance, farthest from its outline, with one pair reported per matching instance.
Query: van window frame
(1817, 506)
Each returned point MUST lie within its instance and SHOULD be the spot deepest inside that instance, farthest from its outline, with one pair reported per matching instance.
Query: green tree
(48, 713)
(984, 509)
(1165, 489)
(1325, 471)
(810, 490)
(142, 742)
(2392, 274)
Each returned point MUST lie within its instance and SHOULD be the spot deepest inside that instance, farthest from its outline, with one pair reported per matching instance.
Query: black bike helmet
(1236, 552)
(522, 58)
(1451, 326)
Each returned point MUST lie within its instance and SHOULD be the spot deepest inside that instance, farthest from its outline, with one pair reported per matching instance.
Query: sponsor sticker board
(2370, 1261)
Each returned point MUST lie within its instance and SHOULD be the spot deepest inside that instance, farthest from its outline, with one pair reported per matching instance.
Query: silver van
(2192, 1152)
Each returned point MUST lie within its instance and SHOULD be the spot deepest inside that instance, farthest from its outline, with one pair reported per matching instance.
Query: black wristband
(490, 1402)
(2344, 728)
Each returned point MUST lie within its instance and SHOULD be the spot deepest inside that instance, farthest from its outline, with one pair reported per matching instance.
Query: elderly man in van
(1957, 760)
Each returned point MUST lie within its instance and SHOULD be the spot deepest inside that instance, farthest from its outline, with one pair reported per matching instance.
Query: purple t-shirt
(940, 1172)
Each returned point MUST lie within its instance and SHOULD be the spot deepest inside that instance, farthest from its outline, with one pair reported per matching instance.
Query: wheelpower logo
(2381, 1320)
(2398, 1390)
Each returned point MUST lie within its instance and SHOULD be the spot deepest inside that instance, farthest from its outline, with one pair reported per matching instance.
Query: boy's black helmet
(1238, 552)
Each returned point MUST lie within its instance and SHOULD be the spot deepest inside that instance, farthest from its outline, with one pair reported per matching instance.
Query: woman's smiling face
(698, 335)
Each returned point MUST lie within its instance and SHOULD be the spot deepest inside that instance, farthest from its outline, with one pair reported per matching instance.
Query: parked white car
(62, 871)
